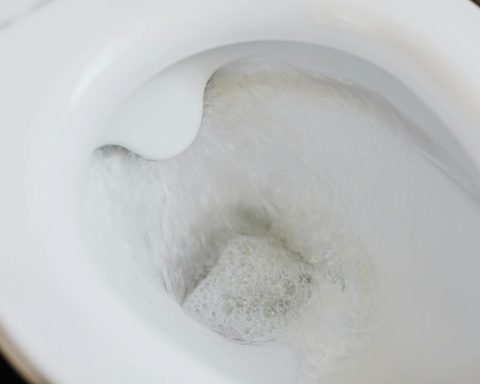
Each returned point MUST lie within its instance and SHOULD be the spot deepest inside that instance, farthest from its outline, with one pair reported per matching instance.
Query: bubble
(255, 290)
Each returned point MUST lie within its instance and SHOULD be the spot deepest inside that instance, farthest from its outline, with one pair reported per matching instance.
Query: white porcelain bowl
(68, 65)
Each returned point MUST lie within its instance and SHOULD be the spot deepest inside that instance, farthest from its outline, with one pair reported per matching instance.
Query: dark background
(7, 374)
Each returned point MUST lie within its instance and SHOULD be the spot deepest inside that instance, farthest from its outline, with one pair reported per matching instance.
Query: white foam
(254, 291)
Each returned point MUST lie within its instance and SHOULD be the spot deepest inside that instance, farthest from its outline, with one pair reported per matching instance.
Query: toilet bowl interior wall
(110, 255)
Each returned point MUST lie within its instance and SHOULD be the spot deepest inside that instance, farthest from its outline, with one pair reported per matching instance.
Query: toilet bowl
(76, 76)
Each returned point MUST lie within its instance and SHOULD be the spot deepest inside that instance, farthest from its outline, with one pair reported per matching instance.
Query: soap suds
(253, 292)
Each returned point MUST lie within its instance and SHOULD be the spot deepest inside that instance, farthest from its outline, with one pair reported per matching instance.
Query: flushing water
(282, 221)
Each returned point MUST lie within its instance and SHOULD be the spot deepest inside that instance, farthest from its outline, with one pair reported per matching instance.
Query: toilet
(75, 309)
